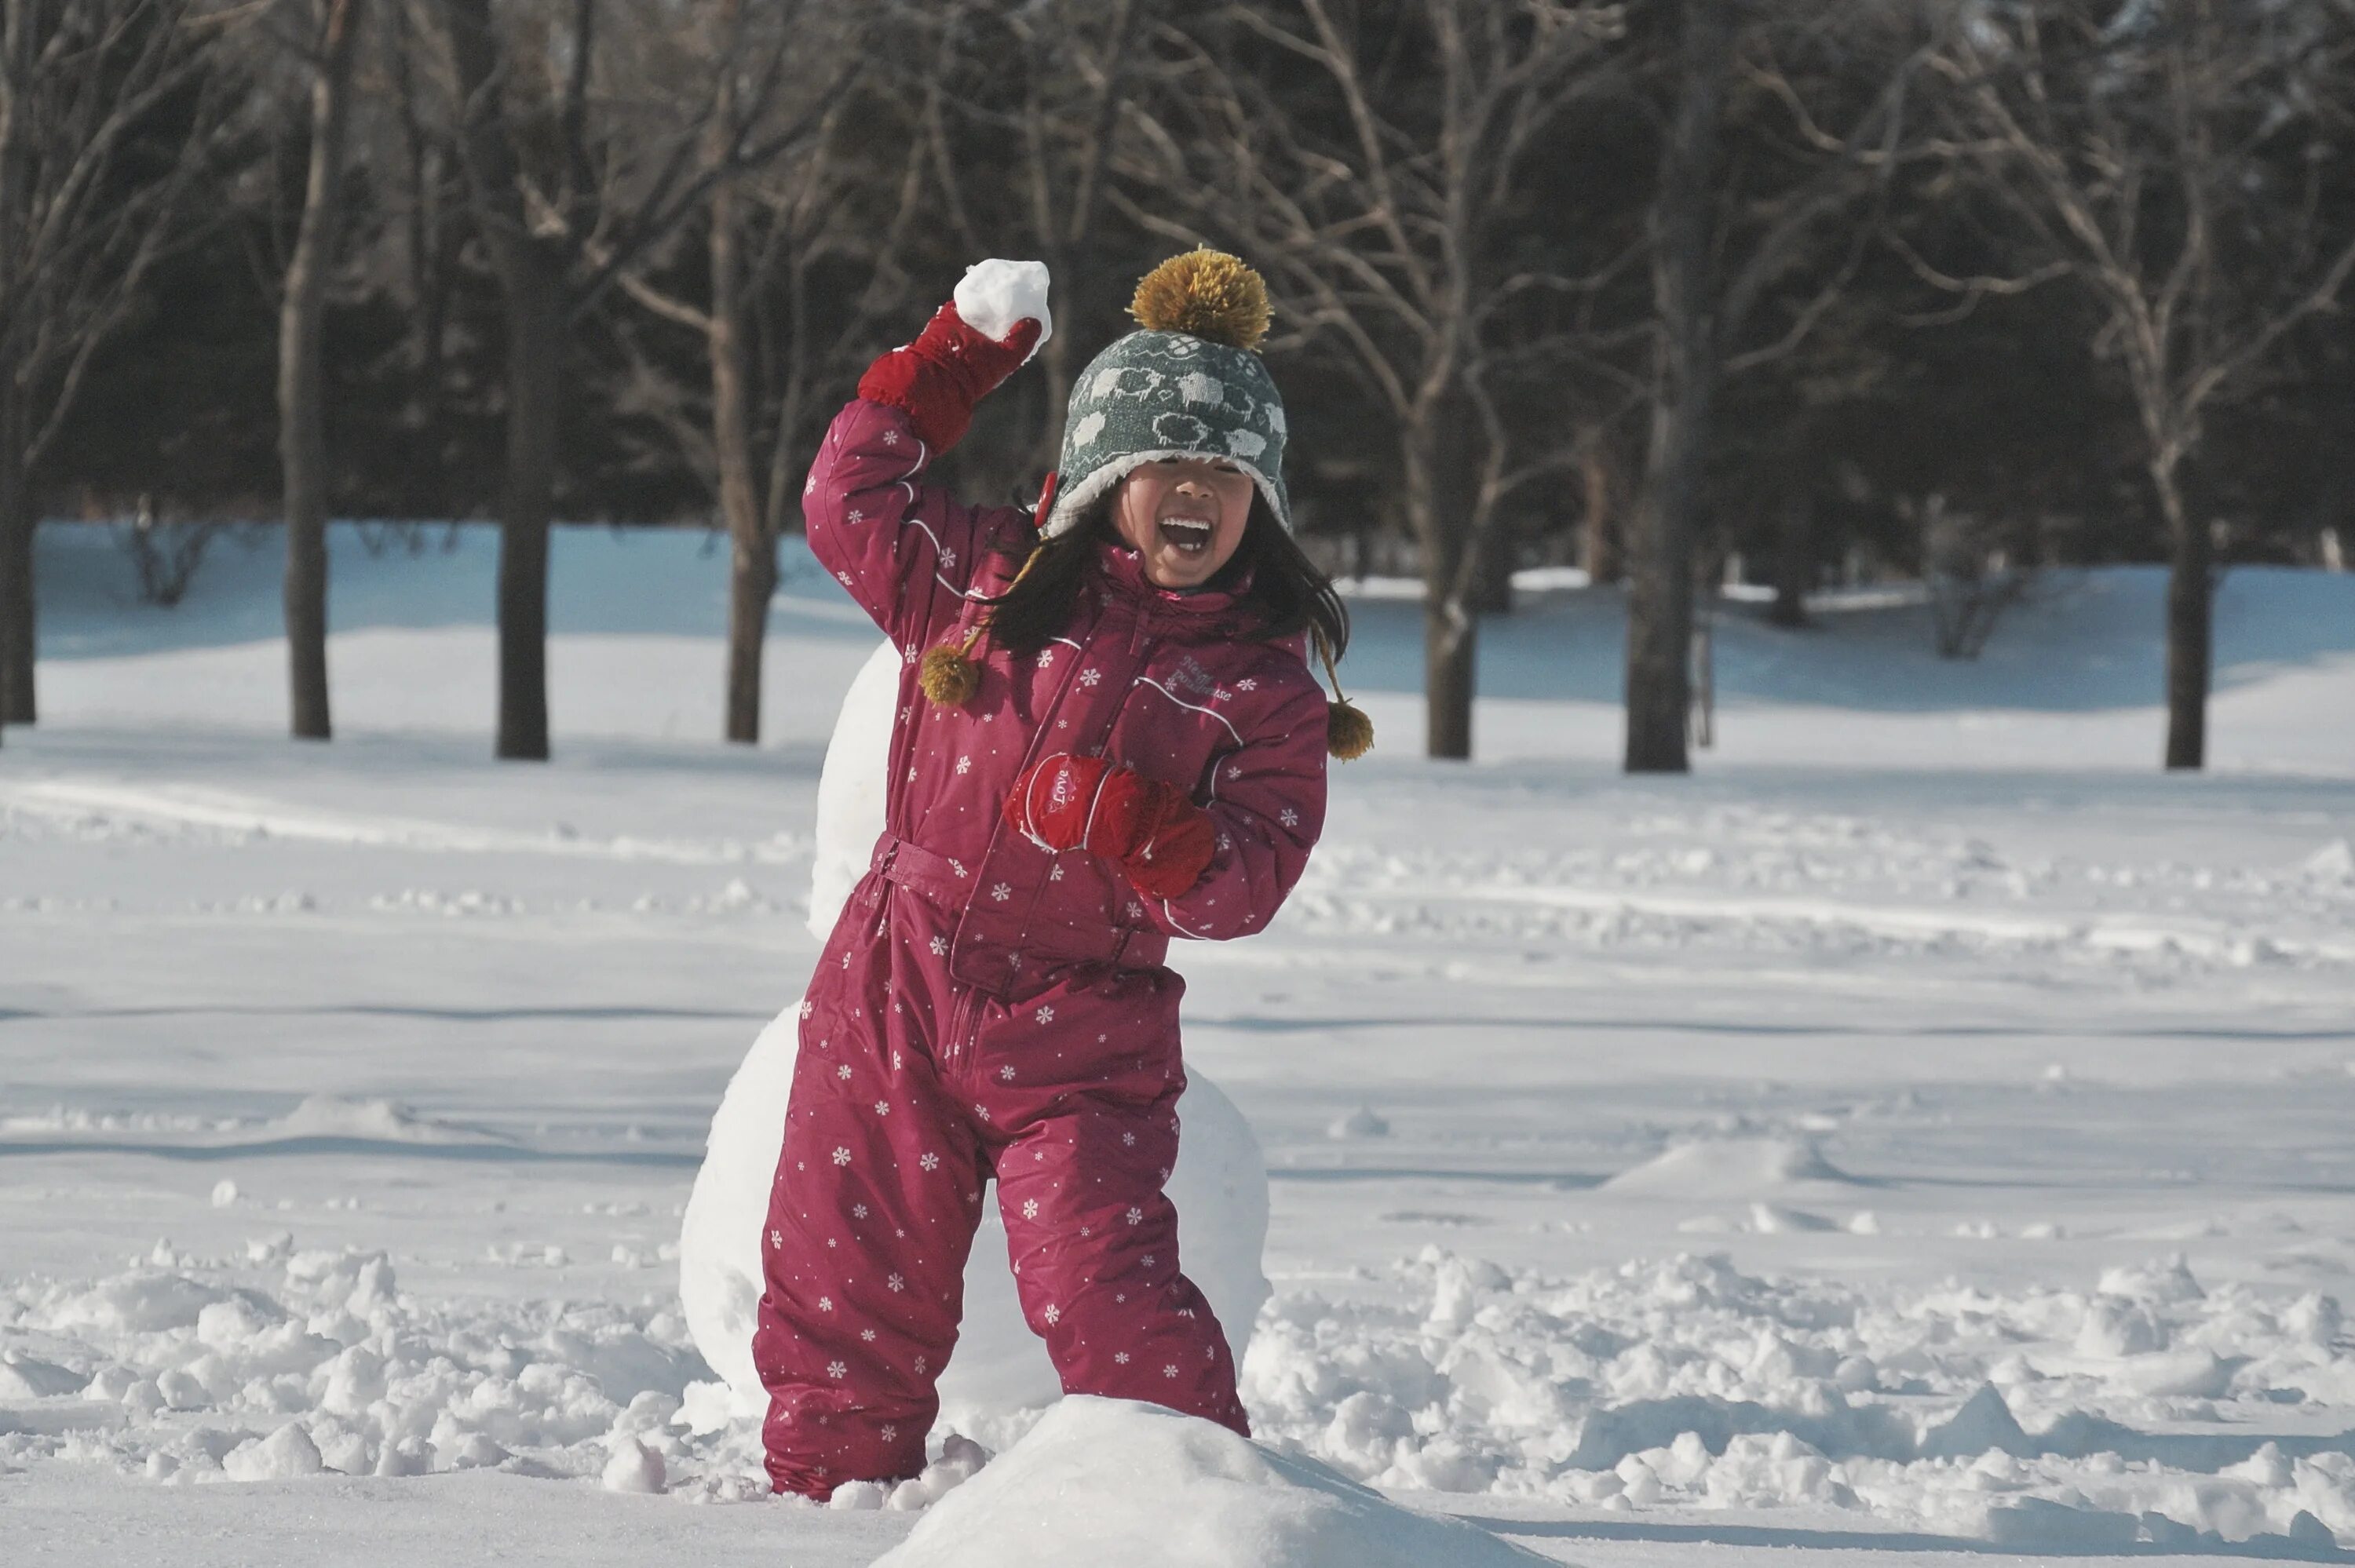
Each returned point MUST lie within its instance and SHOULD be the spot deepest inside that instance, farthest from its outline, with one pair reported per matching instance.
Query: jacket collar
(1122, 571)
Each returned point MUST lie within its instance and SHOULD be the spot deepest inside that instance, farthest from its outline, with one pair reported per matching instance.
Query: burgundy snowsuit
(985, 1007)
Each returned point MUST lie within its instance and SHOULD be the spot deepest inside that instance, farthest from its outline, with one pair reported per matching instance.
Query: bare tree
(768, 231)
(301, 368)
(560, 236)
(2154, 156)
(1371, 168)
(1748, 256)
(83, 83)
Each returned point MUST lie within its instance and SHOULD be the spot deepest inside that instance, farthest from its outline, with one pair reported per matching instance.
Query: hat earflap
(1348, 733)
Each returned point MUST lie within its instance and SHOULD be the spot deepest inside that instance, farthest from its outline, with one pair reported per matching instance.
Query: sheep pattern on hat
(1155, 395)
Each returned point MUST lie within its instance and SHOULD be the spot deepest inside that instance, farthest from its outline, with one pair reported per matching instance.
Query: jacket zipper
(963, 1020)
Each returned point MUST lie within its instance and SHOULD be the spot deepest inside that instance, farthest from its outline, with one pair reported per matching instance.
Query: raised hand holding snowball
(987, 331)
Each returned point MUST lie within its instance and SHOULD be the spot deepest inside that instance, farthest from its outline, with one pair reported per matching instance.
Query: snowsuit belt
(1025, 940)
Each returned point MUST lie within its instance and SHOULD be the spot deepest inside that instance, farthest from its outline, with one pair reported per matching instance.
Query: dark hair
(1287, 594)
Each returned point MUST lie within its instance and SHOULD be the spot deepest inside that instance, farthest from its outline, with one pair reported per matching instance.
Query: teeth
(1191, 535)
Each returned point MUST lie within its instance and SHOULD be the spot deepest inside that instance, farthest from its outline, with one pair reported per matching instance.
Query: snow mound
(389, 1121)
(850, 787)
(718, 1237)
(2334, 862)
(1105, 1480)
(995, 294)
(1730, 1168)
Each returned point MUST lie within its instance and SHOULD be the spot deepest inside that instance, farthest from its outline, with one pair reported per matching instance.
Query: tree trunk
(16, 519)
(1439, 502)
(532, 288)
(2190, 622)
(16, 637)
(1795, 558)
(1598, 544)
(1492, 586)
(535, 371)
(753, 555)
(1659, 599)
(1451, 636)
(302, 376)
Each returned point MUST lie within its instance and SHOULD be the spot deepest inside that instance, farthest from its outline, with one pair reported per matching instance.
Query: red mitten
(949, 367)
(1160, 840)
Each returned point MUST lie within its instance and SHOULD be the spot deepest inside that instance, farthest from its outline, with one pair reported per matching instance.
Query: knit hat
(1190, 385)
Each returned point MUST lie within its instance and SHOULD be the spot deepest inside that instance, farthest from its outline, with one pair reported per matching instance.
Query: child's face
(1184, 516)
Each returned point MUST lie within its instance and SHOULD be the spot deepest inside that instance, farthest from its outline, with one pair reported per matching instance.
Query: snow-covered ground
(1927, 1131)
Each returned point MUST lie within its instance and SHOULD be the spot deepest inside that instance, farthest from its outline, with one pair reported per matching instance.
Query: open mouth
(1187, 536)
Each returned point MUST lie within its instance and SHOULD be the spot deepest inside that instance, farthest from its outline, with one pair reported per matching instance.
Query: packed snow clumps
(1000, 1368)
(1689, 1383)
(992, 295)
(1109, 1481)
(282, 1363)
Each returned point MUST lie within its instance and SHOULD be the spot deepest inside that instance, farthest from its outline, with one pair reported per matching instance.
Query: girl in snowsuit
(1108, 735)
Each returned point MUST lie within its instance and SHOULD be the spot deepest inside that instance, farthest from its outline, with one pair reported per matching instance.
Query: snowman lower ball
(999, 1368)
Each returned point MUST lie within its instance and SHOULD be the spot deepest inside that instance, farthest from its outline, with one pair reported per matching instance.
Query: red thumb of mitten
(949, 367)
(1160, 840)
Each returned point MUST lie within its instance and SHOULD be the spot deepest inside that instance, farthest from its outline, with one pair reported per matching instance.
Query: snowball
(633, 1467)
(1105, 1480)
(224, 1194)
(961, 1459)
(1360, 1123)
(1219, 1183)
(993, 295)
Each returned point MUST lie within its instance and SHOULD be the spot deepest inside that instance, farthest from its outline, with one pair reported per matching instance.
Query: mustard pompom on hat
(1188, 383)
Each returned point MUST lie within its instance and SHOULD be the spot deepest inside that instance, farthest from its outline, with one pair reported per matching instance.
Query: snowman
(1000, 1369)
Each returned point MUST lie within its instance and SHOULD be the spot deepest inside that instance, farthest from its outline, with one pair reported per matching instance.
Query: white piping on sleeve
(1089, 832)
(1171, 916)
(910, 521)
(1149, 680)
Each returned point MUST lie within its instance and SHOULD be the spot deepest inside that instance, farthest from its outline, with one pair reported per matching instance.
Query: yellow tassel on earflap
(1348, 733)
(949, 676)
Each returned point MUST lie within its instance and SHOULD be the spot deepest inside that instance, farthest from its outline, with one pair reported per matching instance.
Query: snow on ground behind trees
(1926, 1125)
